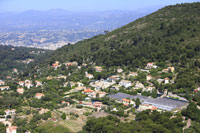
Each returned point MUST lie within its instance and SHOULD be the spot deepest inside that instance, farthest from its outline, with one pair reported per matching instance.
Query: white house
(101, 93)
(20, 90)
(160, 80)
(39, 95)
(151, 65)
(171, 69)
(89, 76)
(98, 68)
(143, 107)
(113, 78)
(28, 84)
(21, 83)
(166, 80)
(101, 84)
(132, 74)
(2, 82)
(125, 83)
(10, 112)
(149, 77)
(38, 83)
(11, 129)
(139, 85)
(2, 88)
(127, 102)
(119, 70)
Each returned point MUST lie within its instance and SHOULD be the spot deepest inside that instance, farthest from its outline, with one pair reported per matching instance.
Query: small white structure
(151, 65)
(139, 85)
(125, 83)
(101, 94)
(171, 69)
(10, 112)
(38, 83)
(143, 107)
(101, 84)
(89, 76)
(113, 78)
(160, 80)
(119, 70)
(127, 102)
(11, 129)
(166, 80)
(149, 77)
(2, 88)
(133, 74)
(21, 83)
(28, 84)
(20, 90)
(2, 82)
(98, 68)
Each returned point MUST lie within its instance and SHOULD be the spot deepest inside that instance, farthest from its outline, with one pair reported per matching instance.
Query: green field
(51, 127)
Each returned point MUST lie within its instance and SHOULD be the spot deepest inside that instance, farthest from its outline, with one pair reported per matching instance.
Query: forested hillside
(18, 57)
(168, 36)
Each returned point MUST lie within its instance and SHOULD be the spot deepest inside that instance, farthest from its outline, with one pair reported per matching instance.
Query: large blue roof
(162, 103)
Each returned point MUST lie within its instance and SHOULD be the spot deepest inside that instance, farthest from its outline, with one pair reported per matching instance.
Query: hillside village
(70, 90)
(143, 77)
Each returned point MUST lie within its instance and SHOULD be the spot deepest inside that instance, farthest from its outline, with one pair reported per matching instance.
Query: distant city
(45, 39)
(54, 28)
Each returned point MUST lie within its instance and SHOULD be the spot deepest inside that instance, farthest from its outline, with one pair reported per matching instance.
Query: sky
(84, 5)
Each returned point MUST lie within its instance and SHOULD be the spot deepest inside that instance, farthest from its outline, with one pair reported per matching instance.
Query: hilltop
(168, 35)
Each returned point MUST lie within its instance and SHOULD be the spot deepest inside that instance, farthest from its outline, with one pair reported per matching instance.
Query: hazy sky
(84, 5)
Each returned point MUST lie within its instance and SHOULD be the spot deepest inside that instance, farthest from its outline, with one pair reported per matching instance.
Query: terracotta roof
(12, 128)
(88, 90)
(39, 94)
(9, 110)
(4, 87)
(154, 108)
(126, 100)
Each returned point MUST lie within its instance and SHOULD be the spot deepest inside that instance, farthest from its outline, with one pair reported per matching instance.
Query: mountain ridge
(159, 28)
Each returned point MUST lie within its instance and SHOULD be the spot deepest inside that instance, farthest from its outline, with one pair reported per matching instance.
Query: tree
(2, 128)
(63, 116)
(137, 102)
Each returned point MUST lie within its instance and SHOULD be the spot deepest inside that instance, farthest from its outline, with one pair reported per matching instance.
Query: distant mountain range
(58, 19)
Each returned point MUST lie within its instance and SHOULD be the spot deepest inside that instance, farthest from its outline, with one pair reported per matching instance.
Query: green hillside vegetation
(52, 128)
(168, 36)
(145, 122)
(12, 57)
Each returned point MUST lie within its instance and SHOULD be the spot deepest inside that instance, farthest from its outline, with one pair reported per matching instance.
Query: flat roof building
(167, 104)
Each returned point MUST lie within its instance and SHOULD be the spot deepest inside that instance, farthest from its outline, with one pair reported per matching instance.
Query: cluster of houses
(67, 64)
(97, 89)
(7, 120)
(120, 80)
